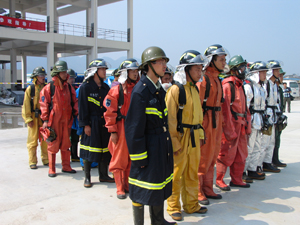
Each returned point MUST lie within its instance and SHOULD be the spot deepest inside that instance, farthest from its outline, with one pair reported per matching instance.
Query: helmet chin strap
(188, 72)
(62, 81)
(216, 66)
(101, 80)
(149, 64)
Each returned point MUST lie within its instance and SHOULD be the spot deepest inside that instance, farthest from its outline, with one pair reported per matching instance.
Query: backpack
(235, 114)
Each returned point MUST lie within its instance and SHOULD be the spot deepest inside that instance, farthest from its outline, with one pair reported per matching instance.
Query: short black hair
(284, 83)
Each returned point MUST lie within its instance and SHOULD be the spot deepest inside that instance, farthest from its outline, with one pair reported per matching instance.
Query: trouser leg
(87, 173)
(118, 175)
(138, 213)
(51, 158)
(103, 172)
(44, 152)
(221, 171)
(270, 147)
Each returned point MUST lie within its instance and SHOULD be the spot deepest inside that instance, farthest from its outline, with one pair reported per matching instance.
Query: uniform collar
(157, 85)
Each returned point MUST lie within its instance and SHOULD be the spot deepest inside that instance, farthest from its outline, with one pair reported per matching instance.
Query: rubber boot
(157, 215)
(138, 213)
(208, 180)
(125, 180)
(221, 171)
(87, 173)
(74, 156)
(51, 158)
(236, 174)
(259, 171)
(103, 173)
(119, 183)
(65, 161)
(275, 159)
(201, 196)
(268, 167)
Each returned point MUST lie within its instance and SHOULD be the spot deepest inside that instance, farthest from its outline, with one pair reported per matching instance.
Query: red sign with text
(27, 24)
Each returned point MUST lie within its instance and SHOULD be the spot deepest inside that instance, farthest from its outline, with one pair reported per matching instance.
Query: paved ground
(31, 197)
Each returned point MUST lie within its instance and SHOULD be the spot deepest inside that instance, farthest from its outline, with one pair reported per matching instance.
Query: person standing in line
(236, 127)
(58, 107)
(31, 114)
(187, 135)
(211, 96)
(117, 102)
(286, 97)
(149, 142)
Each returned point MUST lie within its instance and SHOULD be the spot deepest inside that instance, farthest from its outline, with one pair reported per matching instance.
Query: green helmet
(235, 61)
(115, 73)
(72, 73)
(59, 66)
(152, 54)
(282, 72)
(38, 71)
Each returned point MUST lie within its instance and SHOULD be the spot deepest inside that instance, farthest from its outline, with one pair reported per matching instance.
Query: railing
(83, 31)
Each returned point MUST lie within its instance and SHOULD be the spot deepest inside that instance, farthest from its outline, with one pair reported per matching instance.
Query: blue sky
(256, 29)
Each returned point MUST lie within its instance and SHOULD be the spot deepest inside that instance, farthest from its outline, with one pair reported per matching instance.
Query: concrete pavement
(31, 197)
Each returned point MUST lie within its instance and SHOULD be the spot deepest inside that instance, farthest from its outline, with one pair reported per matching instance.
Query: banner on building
(26, 24)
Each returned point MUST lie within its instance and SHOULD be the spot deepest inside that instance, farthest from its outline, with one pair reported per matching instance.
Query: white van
(294, 86)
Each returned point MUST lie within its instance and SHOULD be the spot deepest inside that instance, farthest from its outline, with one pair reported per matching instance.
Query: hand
(87, 130)
(114, 138)
(178, 152)
(30, 124)
(45, 125)
(202, 142)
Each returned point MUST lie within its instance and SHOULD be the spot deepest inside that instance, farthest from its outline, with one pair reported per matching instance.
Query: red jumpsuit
(211, 148)
(60, 119)
(234, 150)
(120, 161)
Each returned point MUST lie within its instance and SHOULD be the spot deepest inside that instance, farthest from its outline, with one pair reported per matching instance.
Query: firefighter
(210, 92)
(236, 127)
(59, 106)
(31, 114)
(149, 142)
(273, 109)
(275, 158)
(166, 79)
(186, 142)
(115, 117)
(74, 137)
(256, 102)
(95, 137)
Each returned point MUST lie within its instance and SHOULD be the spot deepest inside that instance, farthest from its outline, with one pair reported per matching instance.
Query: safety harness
(180, 125)
(120, 103)
(235, 114)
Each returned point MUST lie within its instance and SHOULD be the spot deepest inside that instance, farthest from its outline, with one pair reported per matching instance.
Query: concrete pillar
(24, 69)
(50, 59)
(13, 67)
(50, 15)
(12, 8)
(130, 27)
(94, 10)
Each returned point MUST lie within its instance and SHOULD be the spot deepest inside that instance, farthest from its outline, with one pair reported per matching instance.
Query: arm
(75, 102)
(84, 114)
(111, 105)
(249, 94)
(26, 108)
(135, 127)
(45, 100)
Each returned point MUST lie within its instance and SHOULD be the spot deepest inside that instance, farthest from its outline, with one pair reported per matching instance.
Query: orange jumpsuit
(60, 119)
(234, 150)
(120, 161)
(211, 148)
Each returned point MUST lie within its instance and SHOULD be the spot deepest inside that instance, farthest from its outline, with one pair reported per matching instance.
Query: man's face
(166, 78)
(262, 75)
(220, 62)
(160, 66)
(281, 77)
(133, 74)
(41, 79)
(276, 72)
(196, 72)
(71, 80)
(285, 86)
(63, 75)
(101, 72)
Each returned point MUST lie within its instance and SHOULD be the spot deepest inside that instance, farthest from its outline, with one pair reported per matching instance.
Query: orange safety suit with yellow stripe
(33, 132)
(186, 163)
(211, 148)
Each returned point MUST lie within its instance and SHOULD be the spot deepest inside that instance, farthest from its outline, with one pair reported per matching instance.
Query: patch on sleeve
(43, 98)
(108, 102)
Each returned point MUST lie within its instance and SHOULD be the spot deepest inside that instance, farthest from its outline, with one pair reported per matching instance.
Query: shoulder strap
(72, 103)
(232, 90)
(32, 94)
(222, 98)
(268, 89)
(120, 103)
(52, 91)
(207, 89)
(182, 102)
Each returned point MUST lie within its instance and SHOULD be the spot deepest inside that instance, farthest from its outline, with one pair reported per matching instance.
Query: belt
(157, 130)
(214, 109)
(193, 127)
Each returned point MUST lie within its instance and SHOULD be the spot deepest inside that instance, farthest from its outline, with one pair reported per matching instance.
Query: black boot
(103, 173)
(260, 171)
(247, 179)
(255, 176)
(157, 215)
(138, 213)
(275, 159)
(74, 156)
(87, 172)
(268, 167)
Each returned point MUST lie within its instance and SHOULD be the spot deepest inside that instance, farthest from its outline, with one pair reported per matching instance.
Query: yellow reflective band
(90, 99)
(140, 156)
(95, 61)
(154, 111)
(166, 111)
(191, 54)
(150, 186)
(136, 204)
(92, 149)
